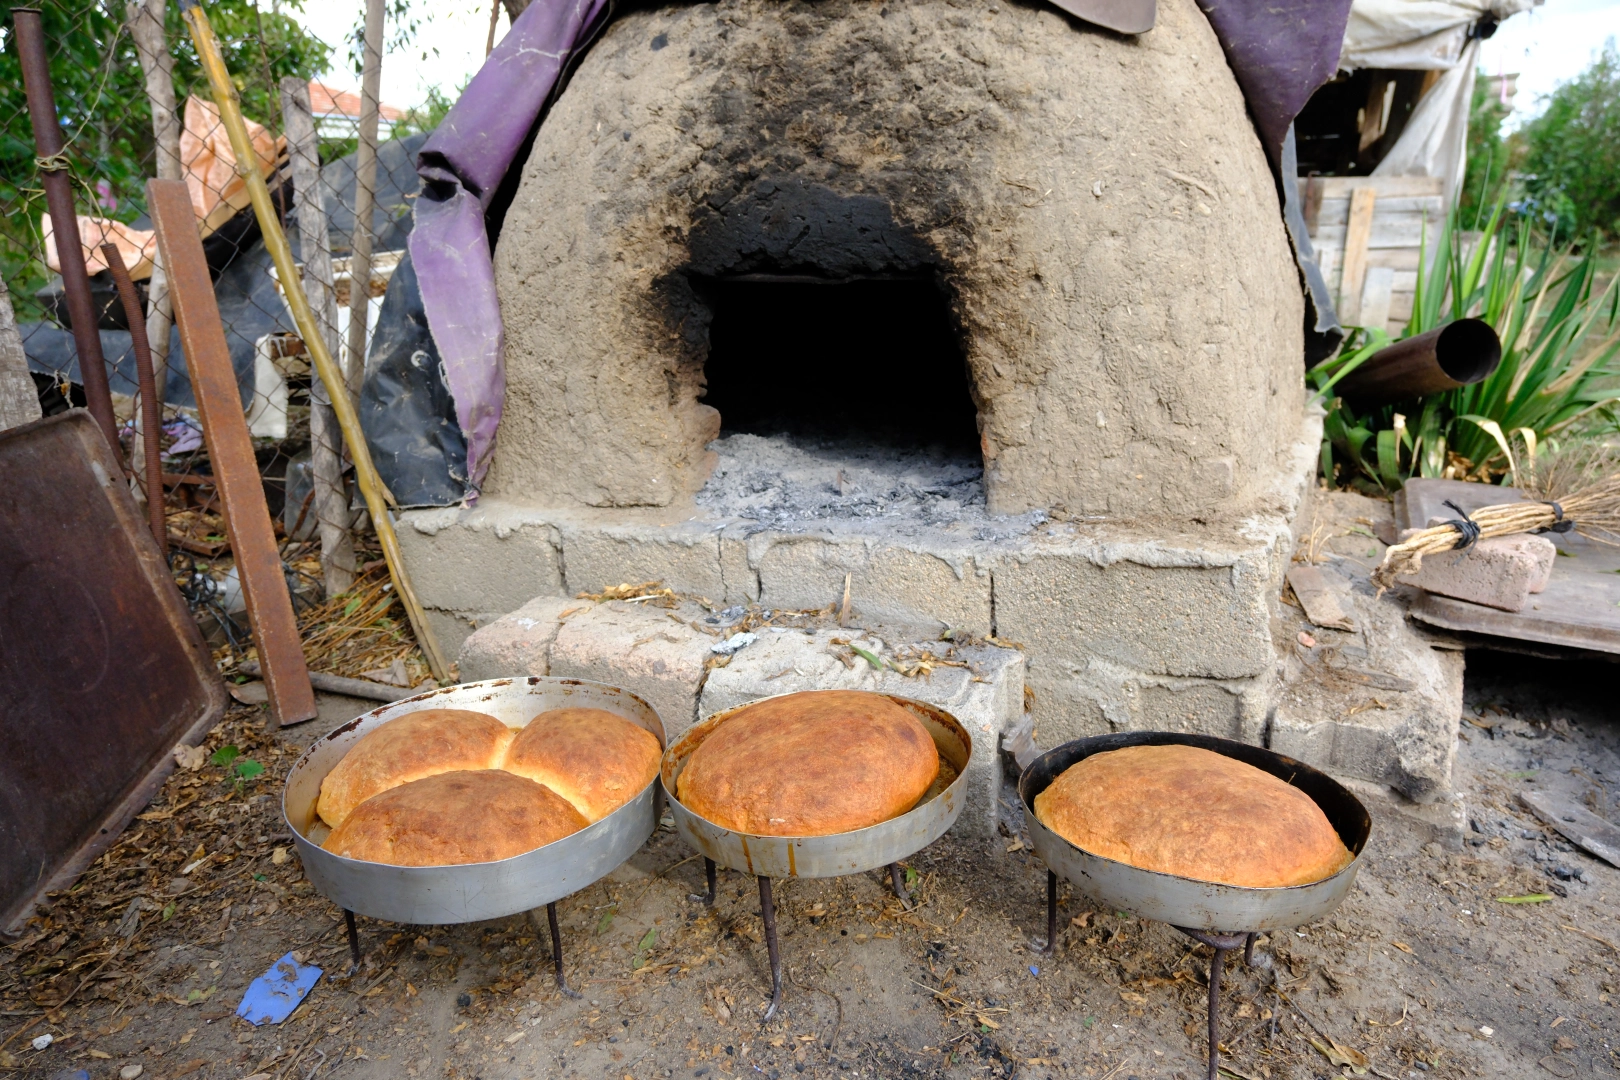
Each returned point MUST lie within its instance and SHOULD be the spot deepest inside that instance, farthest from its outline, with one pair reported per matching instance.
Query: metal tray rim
(1327, 892)
(852, 839)
(601, 834)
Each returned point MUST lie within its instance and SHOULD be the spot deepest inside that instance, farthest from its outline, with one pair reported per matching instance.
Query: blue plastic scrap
(273, 996)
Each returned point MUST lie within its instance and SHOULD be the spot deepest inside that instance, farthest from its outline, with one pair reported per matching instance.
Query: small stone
(130, 1072)
(42, 1041)
(1307, 640)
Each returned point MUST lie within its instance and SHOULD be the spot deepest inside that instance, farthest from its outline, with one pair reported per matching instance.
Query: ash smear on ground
(1420, 961)
(787, 482)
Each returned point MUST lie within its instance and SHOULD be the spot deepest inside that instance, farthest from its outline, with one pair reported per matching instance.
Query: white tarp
(1424, 35)
(1435, 139)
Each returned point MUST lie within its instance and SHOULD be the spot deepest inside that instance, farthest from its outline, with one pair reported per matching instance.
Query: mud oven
(988, 312)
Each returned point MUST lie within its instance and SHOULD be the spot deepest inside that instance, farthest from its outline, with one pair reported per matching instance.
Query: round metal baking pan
(436, 895)
(1185, 902)
(838, 853)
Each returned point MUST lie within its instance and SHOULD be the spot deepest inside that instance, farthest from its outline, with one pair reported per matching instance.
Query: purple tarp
(1280, 51)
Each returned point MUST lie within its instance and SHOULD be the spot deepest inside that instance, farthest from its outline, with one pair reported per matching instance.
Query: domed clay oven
(986, 308)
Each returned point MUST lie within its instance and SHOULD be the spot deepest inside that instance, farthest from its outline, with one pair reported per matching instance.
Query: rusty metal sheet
(230, 450)
(1579, 608)
(102, 668)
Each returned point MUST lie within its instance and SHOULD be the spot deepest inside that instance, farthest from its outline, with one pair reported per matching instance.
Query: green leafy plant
(1558, 377)
(1572, 150)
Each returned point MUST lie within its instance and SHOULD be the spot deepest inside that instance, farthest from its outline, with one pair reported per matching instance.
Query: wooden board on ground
(1579, 824)
(1579, 609)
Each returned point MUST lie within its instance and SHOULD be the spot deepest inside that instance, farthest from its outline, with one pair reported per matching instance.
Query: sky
(1545, 46)
(1548, 45)
(457, 29)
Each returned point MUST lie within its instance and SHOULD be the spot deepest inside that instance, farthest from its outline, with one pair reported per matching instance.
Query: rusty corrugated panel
(102, 669)
(230, 450)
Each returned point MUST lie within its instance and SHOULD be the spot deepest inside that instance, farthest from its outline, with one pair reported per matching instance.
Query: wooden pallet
(1368, 233)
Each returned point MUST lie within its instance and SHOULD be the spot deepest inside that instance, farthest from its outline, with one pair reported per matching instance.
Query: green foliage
(1558, 378)
(225, 755)
(426, 116)
(1490, 156)
(1572, 151)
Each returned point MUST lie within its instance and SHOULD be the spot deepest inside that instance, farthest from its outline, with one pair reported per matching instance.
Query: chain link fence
(133, 103)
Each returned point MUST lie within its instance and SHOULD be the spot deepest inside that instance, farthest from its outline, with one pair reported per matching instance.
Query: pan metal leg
(897, 878)
(354, 941)
(1222, 944)
(556, 950)
(707, 899)
(1248, 950)
(767, 912)
(1049, 946)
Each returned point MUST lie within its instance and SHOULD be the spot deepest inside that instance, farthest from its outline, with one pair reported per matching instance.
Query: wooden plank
(1337, 211)
(230, 450)
(1317, 597)
(1375, 296)
(1362, 204)
(1404, 231)
(1341, 186)
(1313, 203)
(1577, 823)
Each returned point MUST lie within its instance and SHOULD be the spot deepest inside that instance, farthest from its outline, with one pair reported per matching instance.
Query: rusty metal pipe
(1457, 354)
(58, 186)
(151, 410)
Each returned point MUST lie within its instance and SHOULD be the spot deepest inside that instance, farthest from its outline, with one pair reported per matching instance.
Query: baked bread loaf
(453, 818)
(596, 760)
(411, 747)
(1192, 812)
(810, 764)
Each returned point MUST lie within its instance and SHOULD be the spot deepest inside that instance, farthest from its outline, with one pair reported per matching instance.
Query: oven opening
(870, 363)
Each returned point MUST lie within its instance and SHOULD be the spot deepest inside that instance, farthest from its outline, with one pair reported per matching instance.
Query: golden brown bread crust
(810, 764)
(596, 760)
(411, 747)
(1194, 813)
(453, 818)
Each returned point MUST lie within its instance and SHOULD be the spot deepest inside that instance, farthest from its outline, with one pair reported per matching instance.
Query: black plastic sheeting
(406, 409)
(249, 304)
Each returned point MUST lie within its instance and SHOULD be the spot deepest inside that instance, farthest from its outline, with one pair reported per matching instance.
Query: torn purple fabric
(461, 165)
(1279, 50)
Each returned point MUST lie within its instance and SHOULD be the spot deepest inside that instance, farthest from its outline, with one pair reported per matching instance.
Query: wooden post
(145, 18)
(230, 451)
(365, 200)
(19, 401)
(1357, 235)
(325, 438)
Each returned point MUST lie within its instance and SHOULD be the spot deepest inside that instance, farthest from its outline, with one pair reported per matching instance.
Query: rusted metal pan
(102, 668)
(230, 450)
(53, 173)
(436, 895)
(840, 853)
(1184, 902)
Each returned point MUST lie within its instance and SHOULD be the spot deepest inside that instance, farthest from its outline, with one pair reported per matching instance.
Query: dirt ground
(1423, 970)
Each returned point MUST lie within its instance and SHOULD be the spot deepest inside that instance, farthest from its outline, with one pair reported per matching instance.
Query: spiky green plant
(1558, 377)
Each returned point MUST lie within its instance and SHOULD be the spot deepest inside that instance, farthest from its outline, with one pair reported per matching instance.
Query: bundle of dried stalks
(362, 630)
(1594, 511)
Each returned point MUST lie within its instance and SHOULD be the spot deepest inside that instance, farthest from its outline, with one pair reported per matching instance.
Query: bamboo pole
(275, 240)
(365, 197)
(325, 438)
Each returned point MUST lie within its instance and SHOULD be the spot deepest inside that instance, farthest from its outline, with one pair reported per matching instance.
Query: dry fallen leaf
(1134, 999)
(1401, 945)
